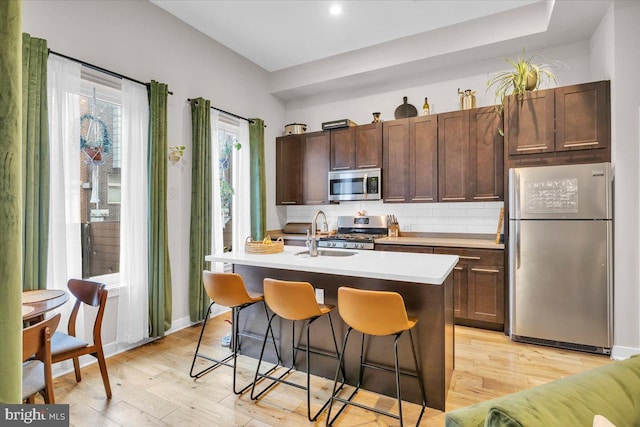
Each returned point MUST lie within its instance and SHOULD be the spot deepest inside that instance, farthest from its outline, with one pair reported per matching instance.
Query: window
(113, 189)
(99, 159)
(227, 144)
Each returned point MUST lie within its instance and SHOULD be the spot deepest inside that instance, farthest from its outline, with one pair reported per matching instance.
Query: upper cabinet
(395, 154)
(357, 147)
(289, 156)
(564, 119)
(529, 126)
(423, 159)
(369, 146)
(486, 155)
(583, 116)
(453, 156)
(343, 149)
(410, 160)
(316, 168)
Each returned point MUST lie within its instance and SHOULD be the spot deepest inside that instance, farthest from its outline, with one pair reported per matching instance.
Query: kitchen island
(425, 282)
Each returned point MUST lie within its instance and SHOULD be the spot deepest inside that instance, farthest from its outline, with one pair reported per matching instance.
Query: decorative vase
(376, 118)
(532, 80)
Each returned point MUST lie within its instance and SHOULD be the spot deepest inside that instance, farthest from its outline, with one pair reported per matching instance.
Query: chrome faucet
(312, 243)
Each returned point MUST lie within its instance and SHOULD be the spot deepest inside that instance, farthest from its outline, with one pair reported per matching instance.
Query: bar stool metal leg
(235, 346)
(294, 350)
(348, 401)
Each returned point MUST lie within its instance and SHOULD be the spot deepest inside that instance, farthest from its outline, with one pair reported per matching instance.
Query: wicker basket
(267, 246)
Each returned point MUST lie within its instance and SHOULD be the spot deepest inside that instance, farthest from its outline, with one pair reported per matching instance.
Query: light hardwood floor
(151, 384)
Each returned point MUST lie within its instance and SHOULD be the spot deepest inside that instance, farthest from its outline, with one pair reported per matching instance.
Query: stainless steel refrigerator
(560, 256)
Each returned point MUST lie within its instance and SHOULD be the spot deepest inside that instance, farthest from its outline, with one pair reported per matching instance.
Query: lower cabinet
(478, 283)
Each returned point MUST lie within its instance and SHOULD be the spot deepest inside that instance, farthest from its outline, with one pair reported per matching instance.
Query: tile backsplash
(463, 217)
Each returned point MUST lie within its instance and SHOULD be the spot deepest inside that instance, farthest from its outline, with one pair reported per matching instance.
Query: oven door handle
(365, 184)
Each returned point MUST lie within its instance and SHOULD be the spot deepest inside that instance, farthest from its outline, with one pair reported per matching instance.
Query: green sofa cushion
(612, 390)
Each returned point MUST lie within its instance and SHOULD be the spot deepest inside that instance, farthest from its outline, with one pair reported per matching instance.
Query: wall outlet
(320, 296)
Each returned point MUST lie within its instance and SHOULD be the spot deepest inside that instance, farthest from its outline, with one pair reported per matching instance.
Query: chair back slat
(86, 291)
(34, 338)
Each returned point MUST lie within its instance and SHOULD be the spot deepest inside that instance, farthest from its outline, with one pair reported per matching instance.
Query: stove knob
(359, 246)
(333, 244)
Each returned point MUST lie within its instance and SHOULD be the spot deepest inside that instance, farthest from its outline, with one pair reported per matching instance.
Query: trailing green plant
(177, 149)
(525, 75)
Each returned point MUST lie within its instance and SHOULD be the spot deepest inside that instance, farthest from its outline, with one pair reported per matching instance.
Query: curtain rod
(227, 112)
(103, 70)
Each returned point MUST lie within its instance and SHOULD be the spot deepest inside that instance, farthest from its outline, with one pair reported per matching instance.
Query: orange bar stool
(295, 301)
(377, 313)
(228, 289)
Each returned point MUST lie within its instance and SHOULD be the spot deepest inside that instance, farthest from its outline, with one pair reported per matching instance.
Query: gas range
(356, 232)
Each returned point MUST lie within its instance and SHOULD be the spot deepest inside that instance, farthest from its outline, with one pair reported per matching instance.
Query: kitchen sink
(327, 253)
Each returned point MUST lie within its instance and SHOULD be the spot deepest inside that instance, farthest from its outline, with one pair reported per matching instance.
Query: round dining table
(35, 303)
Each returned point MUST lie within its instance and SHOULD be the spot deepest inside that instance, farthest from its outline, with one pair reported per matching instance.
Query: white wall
(626, 158)
(140, 40)
(476, 217)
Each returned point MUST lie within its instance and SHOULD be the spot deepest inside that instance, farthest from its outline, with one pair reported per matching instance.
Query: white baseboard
(114, 348)
(619, 352)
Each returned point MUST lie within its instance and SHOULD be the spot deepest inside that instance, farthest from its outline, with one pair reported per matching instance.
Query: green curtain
(258, 192)
(10, 201)
(159, 266)
(35, 162)
(200, 231)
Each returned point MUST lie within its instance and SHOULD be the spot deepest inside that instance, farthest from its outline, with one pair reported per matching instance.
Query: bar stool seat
(228, 290)
(295, 301)
(378, 313)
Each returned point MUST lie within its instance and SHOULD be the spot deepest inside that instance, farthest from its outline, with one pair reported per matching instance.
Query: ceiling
(281, 34)
(313, 56)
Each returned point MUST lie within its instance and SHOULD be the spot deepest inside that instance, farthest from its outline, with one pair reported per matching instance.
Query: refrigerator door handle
(517, 225)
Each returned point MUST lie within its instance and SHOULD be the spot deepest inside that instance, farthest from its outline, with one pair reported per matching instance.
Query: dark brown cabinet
(316, 154)
(395, 159)
(529, 126)
(357, 147)
(343, 148)
(410, 160)
(369, 146)
(404, 248)
(563, 119)
(423, 159)
(486, 155)
(583, 116)
(453, 156)
(478, 285)
(289, 167)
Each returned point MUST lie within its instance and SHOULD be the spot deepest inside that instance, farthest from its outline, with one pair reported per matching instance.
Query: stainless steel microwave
(361, 184)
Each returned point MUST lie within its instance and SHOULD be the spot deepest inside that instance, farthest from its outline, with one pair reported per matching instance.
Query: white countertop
(403, 267)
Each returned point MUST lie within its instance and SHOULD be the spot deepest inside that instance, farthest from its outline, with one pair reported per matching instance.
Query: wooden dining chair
(36, 360)
(68, 346)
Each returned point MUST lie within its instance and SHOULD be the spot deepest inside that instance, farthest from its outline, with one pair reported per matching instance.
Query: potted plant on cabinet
(524, 76)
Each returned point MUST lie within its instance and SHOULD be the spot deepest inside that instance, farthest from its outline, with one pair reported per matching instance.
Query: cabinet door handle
(581, 144)
(485, 197)
(288, 203)
(485, 270)
(340, 168)
(458, 268)
(537, 147)
(468, 257)
(454, 198)
(394, 200)
(367, 166)
(423, 198)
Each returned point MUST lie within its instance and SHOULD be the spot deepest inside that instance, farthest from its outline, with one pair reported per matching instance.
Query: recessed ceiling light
(336, 9)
